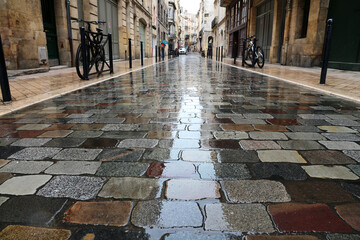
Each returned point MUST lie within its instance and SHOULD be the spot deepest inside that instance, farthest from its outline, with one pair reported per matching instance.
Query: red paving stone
(237, 127)
(59, 127)
(26, 134)
(298, 217)
(173, 170)
(351, 214)
(284, 122)
(111, 213)
(270, 128)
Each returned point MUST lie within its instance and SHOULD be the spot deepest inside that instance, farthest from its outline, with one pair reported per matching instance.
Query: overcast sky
(191, 5)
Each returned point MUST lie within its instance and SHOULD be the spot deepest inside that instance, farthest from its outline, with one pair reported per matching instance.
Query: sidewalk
(29, 89)
(345, 84)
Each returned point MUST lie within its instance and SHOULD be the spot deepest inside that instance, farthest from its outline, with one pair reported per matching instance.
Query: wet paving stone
(23, 185)
(122, 169)
(342, 236)
(171, 170)
(30, 142)
(120, 155)
(223, 144)
(73, 168)
(283, 237)
(258, 145)
(85, 134)
(4, 177)
(76, 187)
(166, 214)
(317, 191)
(267, 136)
(326, 157)
(84, 154)
(111, 213)
(3, 162)
(284, 122)
(33, 127)
(161, 154)
(350, 213)
(6, 141)
(65, 142)
(337, 129)
(161, 134)
(237, 218)
(200, 236)
(300, 128)
(26, 167)
(289, 217)
(353, 188)
(7, 151)
(99, 143)
(237, 127)
(278, 171)
(280, 156)
(340, 145)
(34, 153)
(355, 169)
(194, 135)
(248, 191)
(138, 143)
(104, 233)
(3, 199)
(237, 156)
(131, 188)
(304, 136)
(188, 189)
(223, 171)
(93, 127)
(300, 145)
(55, 134)
(198, 156)
(331, 172)
(25, 134)
(342, 136)
(33, 233)
(270, 128)
(353, 154)
(31, 210)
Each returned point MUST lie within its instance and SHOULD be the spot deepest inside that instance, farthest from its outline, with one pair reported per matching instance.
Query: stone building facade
(205, 34)
(43, 33)
(218, 29)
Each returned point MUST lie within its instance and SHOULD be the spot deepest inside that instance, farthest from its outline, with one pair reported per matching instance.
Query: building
(206, 37)
(42, 33)
(292, 32)
(173, 22)
(162, 22)
(219, 29)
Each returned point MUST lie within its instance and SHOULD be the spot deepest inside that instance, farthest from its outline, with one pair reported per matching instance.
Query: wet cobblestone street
(185, 149)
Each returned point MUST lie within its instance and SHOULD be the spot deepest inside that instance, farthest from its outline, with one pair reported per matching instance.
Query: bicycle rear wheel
(248, 56)
(260, 57)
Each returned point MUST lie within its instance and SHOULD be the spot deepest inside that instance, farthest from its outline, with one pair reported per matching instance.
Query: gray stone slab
(23, 185)
(132, 188)
(330, 172)
(166, 214)
(200, 236)
(342, 137)
(123, 134)
(355, 169)
(79, 115)
(76, 187)
(78, 154)
(353, 154)
(120, 155)
(341, 116)
(35, 153)
(344, 122)
(342, 236)
(65, 142)
(248, 191)
(340, 145)
(33, 126)
(300, 145)
(257, 116)
(237, 156)
(7, 141)
(110, 120)
(267, 136)
(300, 128)
(313, 116)
(26, 167)
(120, 127)
(248, 121)
(251, 218)
(304, 136)
(82, 120)
(122, 169)
(138, 143)
(223, 171)
(161, 154)
(85, 134)
(73, 168)
(230, 135)
(31, 142)
(3, 199)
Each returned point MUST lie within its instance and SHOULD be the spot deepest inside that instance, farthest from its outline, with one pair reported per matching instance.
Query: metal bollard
(4, 80)
(141, 54)
(159, 49)
(111, 54)
(156, 53)
(254, 60)
(130, 58)
(329, 27)
(125, 55)
(235, 52)
(243, 53)
(222, 48)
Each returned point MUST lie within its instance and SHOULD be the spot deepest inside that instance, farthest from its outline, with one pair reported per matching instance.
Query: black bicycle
(95, 52)
(251, 52)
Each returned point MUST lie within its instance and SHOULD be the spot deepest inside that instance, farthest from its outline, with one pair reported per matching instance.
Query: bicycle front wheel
(260, 57)
(79, 62)
(248, 56)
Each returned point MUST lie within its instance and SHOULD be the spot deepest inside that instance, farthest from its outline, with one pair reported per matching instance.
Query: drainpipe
(68, 20)
(287, 31)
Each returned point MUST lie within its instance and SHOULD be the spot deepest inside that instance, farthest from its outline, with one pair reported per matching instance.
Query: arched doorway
(210, 45)
(142, 29)
(108, 12)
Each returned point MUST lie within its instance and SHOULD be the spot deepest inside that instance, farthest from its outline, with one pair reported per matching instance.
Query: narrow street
(185, 149)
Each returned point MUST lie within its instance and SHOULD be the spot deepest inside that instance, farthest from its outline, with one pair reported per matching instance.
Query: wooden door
(48, 15)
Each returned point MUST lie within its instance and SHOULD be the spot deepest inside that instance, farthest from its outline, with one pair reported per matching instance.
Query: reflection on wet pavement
(186, 149)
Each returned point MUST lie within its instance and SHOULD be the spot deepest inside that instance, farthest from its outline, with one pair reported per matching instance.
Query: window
(243, 12)
(206, 15)
(305, 19)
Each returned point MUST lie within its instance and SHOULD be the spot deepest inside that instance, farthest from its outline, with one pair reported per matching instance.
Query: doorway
(48, 15)
(264, 26)
(142, 35)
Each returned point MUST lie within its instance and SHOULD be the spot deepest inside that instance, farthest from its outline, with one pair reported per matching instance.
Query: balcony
(225, 3)
(214, 22)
